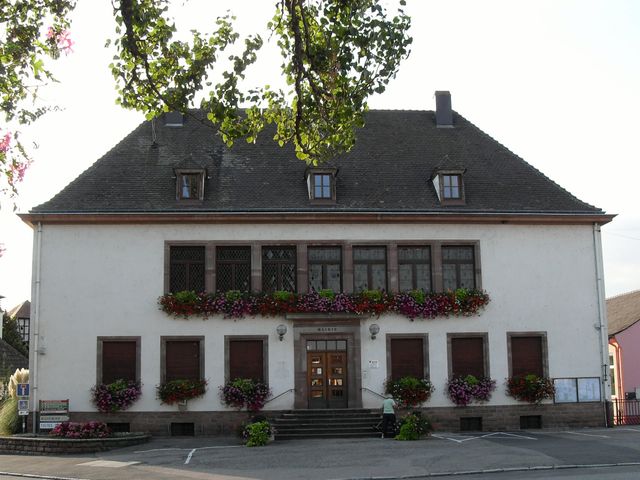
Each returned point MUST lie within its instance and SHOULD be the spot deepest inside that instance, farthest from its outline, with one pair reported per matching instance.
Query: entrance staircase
(338, 423)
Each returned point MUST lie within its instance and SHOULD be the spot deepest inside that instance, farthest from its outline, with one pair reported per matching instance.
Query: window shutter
(246, 359)
(407, 358)
(526, 356)
(467, 356)
(118, 361)
(182, 360)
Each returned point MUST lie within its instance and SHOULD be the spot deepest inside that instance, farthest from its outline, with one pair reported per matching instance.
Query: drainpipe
(602, 315)
(35, 311)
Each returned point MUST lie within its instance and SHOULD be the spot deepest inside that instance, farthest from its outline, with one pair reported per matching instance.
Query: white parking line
(159, 450)
(587, 434)
(186, 462)
(629, 429)
(486, 435)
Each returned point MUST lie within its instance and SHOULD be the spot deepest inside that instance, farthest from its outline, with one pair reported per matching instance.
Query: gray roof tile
(388, 170)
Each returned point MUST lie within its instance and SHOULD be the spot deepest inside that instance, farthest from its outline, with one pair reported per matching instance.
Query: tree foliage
(11, 334)
(335, 54)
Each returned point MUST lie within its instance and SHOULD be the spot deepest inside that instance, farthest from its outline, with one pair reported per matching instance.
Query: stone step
(321, 418)
(314, 426)
(295, 436)
(317, 421)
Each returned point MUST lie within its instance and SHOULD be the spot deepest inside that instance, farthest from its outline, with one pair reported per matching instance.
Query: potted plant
(409, 391)
(245, 393)
(179, 391)
(115, 396)
(413, 426)
(464, 390)
(530, 388)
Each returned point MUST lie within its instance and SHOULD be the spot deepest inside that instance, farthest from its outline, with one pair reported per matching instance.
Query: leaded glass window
(233, 268)
(369, 268)
(325, 268)
(186, 268)
(278, 269)
(414, 268)
(458, 267)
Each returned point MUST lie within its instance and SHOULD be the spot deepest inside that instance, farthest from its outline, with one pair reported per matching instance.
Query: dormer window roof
(321, 185)
(449, 185)
(190, 184)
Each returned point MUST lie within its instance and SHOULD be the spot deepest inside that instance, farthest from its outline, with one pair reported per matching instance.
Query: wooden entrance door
(327, 374)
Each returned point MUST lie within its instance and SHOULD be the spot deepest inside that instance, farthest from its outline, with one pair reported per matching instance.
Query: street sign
(23, 389)
(48, 425)
(54, 406)
(23, 413)
(23, 404)
(54, 418)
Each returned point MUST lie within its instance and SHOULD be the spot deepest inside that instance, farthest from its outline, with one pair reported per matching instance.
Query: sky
(557, 82)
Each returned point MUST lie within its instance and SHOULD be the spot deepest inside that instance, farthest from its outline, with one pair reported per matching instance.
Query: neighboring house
(425, 200)
(623, 315)
(22, 315)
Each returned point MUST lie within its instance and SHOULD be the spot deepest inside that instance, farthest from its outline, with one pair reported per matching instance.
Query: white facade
(104, 280)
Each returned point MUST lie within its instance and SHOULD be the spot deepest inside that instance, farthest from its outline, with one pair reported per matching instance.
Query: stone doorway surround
(318, 326)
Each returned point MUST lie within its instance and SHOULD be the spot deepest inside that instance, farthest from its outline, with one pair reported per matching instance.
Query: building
(623, 316)
(425, 200)
(22, 315)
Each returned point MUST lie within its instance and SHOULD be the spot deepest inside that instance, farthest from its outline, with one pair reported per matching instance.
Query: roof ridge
(624, 294)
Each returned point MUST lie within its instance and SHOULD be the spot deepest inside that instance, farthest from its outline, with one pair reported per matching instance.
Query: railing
(626, 412)
(365, 389)
(279, 395)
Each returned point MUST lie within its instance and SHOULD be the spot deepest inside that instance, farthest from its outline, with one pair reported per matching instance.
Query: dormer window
(190, 185)
(449, 185)
(321, 184)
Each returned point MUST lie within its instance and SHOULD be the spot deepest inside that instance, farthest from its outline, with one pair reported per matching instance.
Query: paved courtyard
(589, 453)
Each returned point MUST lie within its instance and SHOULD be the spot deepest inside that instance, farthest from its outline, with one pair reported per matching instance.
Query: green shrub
(257, 434)
(282, 295)
(413, 426)
(418, 296)
(327, 293)
(372, 295)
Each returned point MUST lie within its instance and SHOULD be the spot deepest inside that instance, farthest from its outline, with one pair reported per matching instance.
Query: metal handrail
(375, 393)
(279, 395)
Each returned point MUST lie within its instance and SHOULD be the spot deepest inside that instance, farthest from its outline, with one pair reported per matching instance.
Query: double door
(327, 374)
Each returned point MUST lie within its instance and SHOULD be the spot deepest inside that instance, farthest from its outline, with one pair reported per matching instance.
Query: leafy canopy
(335, 54)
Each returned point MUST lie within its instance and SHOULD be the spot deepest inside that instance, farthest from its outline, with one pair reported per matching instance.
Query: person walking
(388, 416)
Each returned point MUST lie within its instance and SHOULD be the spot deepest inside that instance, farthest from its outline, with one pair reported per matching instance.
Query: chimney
(444, 114)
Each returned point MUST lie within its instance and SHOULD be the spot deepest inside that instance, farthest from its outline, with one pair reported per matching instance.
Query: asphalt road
(571, 454)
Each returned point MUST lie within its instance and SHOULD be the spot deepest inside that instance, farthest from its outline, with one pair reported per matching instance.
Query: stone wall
(445, 419)
(55, 446)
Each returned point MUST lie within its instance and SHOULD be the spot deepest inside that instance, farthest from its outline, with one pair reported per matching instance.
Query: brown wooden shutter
(467, 356)
(407, 358)
(182, 360)
(246, 359)
(526, 356)
(118, 361)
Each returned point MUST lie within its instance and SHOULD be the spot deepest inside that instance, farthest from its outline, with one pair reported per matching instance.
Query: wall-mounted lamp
(282, 330)
(374, 329)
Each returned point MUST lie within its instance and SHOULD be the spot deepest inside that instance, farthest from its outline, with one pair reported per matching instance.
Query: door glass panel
(335, 382)
(316, 371)
(316, 382)
(337, 370)
(336, 358)
(315, 360)
(317, 394)
(337, 393)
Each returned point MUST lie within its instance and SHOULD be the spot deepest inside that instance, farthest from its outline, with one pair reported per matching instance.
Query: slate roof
(388, 170)
(623, 311)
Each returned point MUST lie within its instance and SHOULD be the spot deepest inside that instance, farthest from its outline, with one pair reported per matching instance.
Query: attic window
(190, 184)
(449, 186)
(321, 184)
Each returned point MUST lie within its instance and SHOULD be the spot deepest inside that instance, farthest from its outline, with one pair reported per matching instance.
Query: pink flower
(4, 143)
(62, 39)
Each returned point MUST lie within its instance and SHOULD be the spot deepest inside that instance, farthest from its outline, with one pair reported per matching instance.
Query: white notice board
(589, 389)
(566, 390)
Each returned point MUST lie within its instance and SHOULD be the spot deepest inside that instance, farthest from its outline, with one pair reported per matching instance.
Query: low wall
(55, 446)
